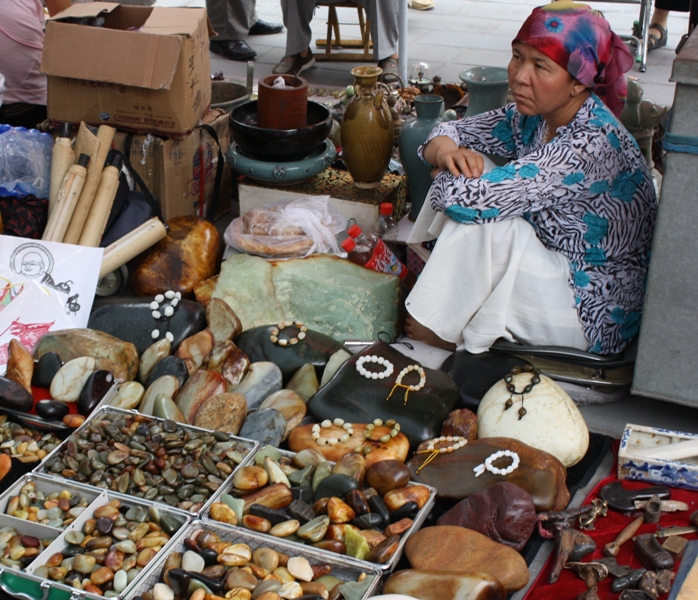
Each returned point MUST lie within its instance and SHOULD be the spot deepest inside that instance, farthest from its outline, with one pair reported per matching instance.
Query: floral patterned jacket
(588, 194)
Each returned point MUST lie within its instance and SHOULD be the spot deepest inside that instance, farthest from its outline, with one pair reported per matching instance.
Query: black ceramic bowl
(279, 144)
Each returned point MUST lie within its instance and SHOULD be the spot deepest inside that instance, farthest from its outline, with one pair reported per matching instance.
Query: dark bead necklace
(511, 387)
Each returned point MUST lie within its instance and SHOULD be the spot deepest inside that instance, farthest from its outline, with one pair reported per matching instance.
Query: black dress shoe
(264, 28)
(232, 49)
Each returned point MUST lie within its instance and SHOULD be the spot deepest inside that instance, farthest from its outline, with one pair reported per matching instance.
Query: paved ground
(454, 35)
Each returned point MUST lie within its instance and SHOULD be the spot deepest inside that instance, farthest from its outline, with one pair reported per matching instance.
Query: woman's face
(539, 85)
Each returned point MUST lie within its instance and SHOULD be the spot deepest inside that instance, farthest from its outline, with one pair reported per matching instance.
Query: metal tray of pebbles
(134, 455)
(104, 551)
(52, 502)
(364, 579)
(295, 542)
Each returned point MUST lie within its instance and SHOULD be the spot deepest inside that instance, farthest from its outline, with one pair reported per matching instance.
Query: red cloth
(569, 586)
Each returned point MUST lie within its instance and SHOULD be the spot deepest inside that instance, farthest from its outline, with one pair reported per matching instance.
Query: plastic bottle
(371, 252)
(386, 226)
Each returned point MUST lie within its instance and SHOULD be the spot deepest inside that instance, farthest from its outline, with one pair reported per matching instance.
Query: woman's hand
(443, 152)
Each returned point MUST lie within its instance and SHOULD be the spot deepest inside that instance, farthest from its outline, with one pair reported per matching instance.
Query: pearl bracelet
(487, 465)
(156, 305)
(433, 451)
(274, 337)
(379, 360)
(326, 424)
(409, 388)
(384, 439)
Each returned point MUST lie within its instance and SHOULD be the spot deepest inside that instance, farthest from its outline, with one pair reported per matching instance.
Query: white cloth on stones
(383, 17)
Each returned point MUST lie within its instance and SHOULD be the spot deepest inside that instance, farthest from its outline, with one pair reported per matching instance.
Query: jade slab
(354, 398)
(130, 319)
(327, 293)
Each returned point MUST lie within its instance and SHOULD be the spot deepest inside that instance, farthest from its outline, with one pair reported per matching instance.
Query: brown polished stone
(396, 448)
(20, 364)
(427, 585)
(201, 386)
(461, 422)
(503, 512)
(194, 349)
(111, 354)
(386, 475)
(224, 412)
(228, 360)
(461, 550)
(539, 473)
(186, 257)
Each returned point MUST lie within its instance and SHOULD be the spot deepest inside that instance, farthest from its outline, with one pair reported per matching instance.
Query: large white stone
(71, 377)
(552, 421)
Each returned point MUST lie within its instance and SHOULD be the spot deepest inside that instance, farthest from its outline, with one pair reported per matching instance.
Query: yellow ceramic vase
(367, 130)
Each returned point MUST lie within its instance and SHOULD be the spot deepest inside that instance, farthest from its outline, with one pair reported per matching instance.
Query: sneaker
(294, 64)
(421, 4)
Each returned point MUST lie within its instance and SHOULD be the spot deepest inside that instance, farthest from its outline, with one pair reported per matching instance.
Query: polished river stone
(539, 473)
(131, 320)
(110, 352)
(427, 585)
(460, 550)
(315, 349)
(352, 397)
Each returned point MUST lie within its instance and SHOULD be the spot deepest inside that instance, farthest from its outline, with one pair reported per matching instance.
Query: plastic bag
(25, 162)
(289, 229)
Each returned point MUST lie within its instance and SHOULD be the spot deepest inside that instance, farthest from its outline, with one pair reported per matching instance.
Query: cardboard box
(147, 69)
(181, 172)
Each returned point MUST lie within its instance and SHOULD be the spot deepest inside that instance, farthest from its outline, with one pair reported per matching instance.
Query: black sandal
(654, 42)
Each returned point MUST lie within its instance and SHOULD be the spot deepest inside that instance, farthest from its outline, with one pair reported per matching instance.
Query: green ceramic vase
(412, 136)
(367, 130)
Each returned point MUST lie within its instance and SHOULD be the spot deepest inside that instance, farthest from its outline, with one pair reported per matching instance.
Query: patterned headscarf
(581, 42)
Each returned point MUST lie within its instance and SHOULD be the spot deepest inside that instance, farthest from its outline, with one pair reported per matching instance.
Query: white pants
(483, 282)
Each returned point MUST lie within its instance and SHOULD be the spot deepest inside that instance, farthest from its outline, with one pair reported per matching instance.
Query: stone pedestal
(667, 358)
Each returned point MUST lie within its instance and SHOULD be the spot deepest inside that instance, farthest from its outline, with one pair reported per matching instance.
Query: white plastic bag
(288, 229)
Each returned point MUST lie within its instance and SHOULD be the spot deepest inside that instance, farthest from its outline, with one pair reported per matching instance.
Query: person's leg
(658, 32)
(229, 19)
(483, 282)
(383, 17)
(297, 15)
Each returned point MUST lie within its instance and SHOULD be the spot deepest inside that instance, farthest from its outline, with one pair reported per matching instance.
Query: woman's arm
(444, 155)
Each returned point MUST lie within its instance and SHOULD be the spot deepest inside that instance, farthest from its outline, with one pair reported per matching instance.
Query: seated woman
(553, 247)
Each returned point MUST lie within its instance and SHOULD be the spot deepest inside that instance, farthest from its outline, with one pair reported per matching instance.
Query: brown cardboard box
(147, 69)
(172, 168)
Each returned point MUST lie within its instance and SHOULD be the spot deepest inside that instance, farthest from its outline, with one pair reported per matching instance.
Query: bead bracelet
(166, 313)
(511, 386)
(433, 451)
(384, 439)
(409, 388)
(275, 339)
(326, 424)
(379, 360)
(487, 465)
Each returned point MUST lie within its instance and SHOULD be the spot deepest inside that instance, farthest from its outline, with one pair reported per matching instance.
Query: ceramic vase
(367, 130)
(487, 88)
(412, 136)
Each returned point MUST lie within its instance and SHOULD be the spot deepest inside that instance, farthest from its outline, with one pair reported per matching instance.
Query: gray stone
(266, 425)
(262, 379)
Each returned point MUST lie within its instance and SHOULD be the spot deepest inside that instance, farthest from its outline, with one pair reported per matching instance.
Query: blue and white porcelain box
(659, 456)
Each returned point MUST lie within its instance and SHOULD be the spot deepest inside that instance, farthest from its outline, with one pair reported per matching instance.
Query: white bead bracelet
(379, 360)
(326, 424)
(487, 465)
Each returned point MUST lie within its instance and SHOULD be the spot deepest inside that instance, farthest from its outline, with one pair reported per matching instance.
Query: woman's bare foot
(416, 331)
